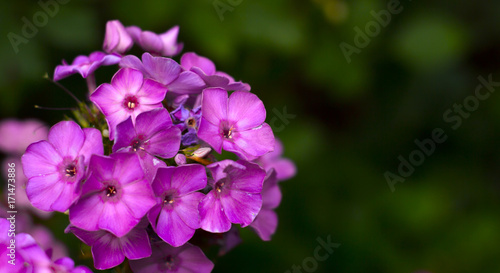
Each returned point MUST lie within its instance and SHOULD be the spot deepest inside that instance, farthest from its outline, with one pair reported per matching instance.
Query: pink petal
(107, 253)
(187, 209)
(246, 109)
(67, 138)
(40, 159)
(86, 212)
(191, 59)
(150, 42)
(43, 191)
(214, 105)
(136, 244)
(189, 178)
(117, 219)
(139, 198)
(213, 218)
(164, 70)
(210, 134)
(172, 229)
(152, 92)
(252, 143)
(92, 145)
(187, 83)
(127, 81)
(265, 224)
(241, 207)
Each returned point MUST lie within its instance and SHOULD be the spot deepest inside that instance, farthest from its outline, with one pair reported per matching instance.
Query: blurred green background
(352, 119)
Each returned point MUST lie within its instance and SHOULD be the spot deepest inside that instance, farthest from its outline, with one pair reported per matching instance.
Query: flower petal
(172, 229)
(92, 145)
(152, 92)
(86, 212)
(214, 105)
(189, 178)
(241, 207)
(246, 109)
(136, 244)
(67, 138)
(265, 224)
(252, 143)
(187, 83)
(43, 191)
(117, 219)
(160, 69)
(40, 159)
(107, 253)
(187, 209)
(213, 218)
(209, 133)
(127, 81)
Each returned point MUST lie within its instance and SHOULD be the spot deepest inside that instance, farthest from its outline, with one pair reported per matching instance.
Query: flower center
(191, 122)
(169, 262)
(111, 191)
(169, 199)
(70, 170)
(136, 145)
(130, 102)
(228, 133)
(219, 186)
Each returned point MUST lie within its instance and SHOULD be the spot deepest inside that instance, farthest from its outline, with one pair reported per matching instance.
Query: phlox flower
(266, 222)
(175, 217)
(167, 259)
(55, 167)
(167, 72)
(235, 124)
(109, 250)
(128, 95)
(164, 44)
(84, 65)
(205, 68)
(115, 196)
(116, 38)
(153, 135)
(235, 196)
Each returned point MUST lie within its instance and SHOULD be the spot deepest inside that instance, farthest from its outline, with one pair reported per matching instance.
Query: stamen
(219, 186)
(70, 170)
(111, 191)
(169, 199)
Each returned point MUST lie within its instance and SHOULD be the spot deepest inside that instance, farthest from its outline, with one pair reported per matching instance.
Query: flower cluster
(140, 170)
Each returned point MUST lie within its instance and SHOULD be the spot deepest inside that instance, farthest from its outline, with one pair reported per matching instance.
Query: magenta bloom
(128, 95)
(235, 196)
(55, 168)
(16, 135)
(27, 256)
(164, 44)
(109, 250)
(266, 222)
(176, 216)
(116, 38)
(166, 259)
(115, 196)
(85, 65)
(205, 68)
(235, 124)
(167, 72)
(153, 135)
(284, 167)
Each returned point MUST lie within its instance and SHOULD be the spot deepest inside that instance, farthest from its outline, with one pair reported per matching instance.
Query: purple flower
(16, 135)
(164, 44)
(176, 216)
(128, 95)
(85, 65)
(55, 168)
(109, 250)
(25, 255)
(116, 38)
(284, 167)
(235, 124)
(266, 222)
(205, 68)
(167, 72)
(165, 259)
(187, 120)
(153, 135)
(235, 196)
(115, 196)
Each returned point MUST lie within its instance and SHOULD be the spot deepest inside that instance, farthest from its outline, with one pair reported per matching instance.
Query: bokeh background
(351, 119)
